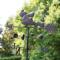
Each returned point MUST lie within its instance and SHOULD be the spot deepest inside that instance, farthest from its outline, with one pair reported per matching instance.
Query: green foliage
(11, 58)
(49, 12)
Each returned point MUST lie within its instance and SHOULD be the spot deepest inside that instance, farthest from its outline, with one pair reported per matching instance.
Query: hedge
(11, 58)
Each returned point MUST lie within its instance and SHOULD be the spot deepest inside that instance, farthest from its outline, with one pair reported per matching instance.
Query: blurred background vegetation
(46, 48)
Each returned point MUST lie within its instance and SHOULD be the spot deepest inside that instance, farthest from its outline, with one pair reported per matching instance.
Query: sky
(8, 8)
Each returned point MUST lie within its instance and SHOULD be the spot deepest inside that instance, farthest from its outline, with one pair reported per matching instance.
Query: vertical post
(27, 41)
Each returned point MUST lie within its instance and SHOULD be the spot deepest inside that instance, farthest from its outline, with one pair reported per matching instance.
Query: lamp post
(27, 41)
(27, 20)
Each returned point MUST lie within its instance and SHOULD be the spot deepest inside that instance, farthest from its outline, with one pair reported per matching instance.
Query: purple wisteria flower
(22, 13)
(50, 27)
(27, 20)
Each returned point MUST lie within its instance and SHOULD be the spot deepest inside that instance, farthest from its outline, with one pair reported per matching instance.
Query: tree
(47, 11)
